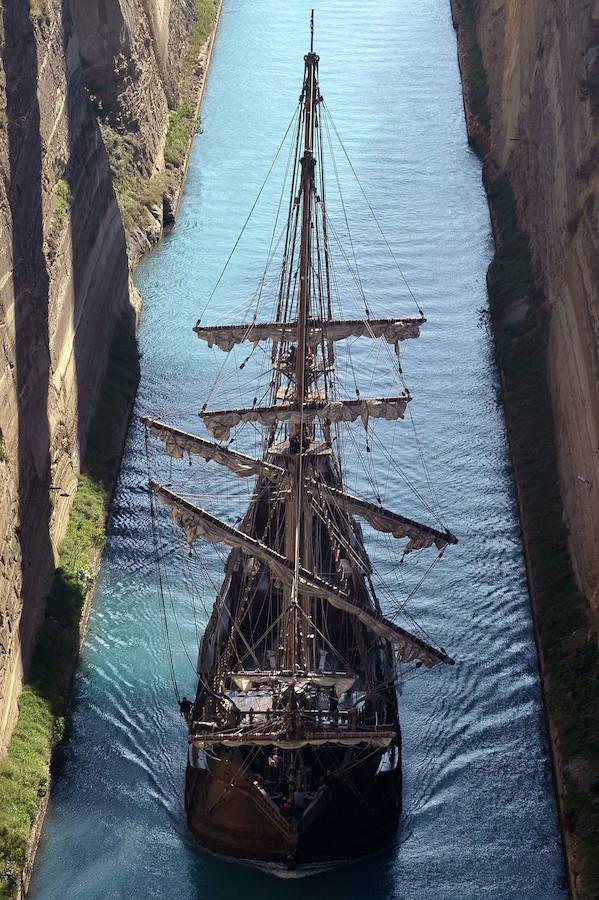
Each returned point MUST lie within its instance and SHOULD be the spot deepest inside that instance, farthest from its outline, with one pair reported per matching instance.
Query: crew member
(185, 707)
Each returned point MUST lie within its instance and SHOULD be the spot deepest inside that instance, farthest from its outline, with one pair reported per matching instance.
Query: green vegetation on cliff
(203, 25)
(24, 771)
(136, 192)
(183, 121)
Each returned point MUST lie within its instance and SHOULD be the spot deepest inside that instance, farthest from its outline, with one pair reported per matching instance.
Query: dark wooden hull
(351, 817)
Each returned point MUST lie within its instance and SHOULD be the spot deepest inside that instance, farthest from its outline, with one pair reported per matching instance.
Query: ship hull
(349, 819)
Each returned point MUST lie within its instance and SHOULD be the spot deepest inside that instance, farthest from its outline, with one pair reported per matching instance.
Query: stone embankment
(531, 87)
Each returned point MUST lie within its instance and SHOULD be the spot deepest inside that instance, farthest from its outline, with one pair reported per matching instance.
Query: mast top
(312, 32)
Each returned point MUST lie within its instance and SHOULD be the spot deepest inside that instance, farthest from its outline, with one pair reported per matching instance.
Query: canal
(480, 817)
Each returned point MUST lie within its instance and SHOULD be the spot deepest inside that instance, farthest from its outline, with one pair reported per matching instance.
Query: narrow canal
(480, 817)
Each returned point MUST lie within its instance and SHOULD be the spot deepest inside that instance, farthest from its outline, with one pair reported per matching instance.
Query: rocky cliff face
(64, 269)
(541, 60)
(131, 54)
(63, 283)
(531, 86)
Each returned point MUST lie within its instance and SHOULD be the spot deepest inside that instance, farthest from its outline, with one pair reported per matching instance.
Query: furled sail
(225, 337)
(409, 647)
(178, 443)
(421, 536)
(220, 422)
(198, 523)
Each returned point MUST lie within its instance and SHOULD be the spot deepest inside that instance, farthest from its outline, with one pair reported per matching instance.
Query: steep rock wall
(541, 60)
(76, 80)
(531, 89)
(64, 281)
(131, 52)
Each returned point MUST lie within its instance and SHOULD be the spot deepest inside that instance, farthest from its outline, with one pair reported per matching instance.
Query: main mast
(296, 443)
(308, 164)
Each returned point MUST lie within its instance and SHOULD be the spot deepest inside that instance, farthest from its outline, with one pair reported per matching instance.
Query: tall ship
(294, 742)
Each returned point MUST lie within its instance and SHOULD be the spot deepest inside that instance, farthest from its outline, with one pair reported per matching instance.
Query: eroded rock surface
(64, 280)
(541, 60)
(64, 270)
(131, 54)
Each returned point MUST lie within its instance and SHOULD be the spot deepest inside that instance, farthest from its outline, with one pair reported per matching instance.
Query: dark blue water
(480, 818)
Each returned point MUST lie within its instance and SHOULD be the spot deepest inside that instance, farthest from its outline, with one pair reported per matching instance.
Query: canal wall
(64, 282)
(531, 88)
(98, 109)
(83, 139)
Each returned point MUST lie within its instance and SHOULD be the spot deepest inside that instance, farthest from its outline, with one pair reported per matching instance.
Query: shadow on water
(221, 880)
(31, 284)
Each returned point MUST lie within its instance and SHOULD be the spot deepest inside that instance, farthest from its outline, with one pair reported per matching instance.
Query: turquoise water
(480, 818)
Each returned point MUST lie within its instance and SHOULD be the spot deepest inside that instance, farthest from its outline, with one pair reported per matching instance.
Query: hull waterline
(347, 820)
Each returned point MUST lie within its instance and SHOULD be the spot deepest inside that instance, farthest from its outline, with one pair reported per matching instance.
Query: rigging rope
(159, 578)
(249, 215)
(370, 207)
